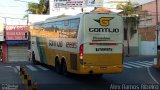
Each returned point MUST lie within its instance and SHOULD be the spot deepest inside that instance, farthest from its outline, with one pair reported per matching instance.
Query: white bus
(88, 43)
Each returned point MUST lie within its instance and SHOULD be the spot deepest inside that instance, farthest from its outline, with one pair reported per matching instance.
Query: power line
(21, 1)
(24, 1)
(13, 18)
(12, 13)
(12, 6)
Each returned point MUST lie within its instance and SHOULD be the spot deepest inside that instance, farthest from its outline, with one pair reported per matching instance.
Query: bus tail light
(81, 51)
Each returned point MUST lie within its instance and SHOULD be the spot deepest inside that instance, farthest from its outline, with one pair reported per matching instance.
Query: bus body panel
(34, 48)
(103, 43)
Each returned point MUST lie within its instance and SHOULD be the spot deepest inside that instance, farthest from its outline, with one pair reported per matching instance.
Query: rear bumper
(100, 69)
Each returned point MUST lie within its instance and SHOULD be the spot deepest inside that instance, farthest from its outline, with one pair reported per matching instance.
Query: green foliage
(33, 8)
(131, 21)
(25, 16)
(38, 8)
(127, 8)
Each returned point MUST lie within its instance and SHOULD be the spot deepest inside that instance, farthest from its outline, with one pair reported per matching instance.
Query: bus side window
(74, 25)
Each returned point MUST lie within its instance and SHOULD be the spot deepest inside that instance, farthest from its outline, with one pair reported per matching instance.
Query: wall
(4, 52)
(148, 48)
(148, 33)
(133, 45)
(147, 43)
(151, 8)
(147, 28)
(16, 32)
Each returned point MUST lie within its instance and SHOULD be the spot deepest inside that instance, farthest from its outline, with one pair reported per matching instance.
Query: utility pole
(158, 47)
(157, 13)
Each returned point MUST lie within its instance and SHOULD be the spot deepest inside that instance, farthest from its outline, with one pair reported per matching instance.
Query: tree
(131, 20)
(38, 8)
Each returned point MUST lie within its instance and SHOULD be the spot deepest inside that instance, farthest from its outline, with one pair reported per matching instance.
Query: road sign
(78, 3)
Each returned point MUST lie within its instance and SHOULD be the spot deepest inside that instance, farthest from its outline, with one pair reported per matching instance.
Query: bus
(87, 43)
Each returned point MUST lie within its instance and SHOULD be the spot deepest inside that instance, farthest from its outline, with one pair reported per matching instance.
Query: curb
(27, 80)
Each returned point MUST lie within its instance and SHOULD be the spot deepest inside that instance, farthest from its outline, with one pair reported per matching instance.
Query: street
(138, 74)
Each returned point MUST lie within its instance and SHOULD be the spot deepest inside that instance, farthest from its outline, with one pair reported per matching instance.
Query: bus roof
(65, 17)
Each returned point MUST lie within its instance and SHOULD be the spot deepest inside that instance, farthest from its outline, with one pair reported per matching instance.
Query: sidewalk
(9, 78)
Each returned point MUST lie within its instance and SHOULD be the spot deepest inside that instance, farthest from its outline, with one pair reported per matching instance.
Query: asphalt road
(138, 74)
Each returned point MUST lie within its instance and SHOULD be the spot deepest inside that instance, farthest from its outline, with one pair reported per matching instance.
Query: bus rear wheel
(64, 68)
(57, 67)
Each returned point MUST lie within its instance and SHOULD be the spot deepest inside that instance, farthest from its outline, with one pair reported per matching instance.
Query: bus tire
(57, 66)
(64, 68)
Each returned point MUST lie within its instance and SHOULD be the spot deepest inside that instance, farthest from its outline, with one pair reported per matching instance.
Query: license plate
(103, 68)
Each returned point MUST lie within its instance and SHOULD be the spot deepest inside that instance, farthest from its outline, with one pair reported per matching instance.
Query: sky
(137, 1)
(142, 1)
(13, 9)
(17, 9)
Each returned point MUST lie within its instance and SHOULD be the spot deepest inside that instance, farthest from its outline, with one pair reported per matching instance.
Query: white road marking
(31, 67)
(140, 64)
(132, 65)
(126, 66)
(146, 63)
(148, 70)
(8, 66)
(41, 67)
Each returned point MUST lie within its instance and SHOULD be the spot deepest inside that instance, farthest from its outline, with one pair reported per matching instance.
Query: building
(133, 41)
(148, 28)
(15, 44)
(144, 41)
(2, 43)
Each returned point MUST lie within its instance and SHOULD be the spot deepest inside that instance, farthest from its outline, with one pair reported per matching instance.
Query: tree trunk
(128, 38)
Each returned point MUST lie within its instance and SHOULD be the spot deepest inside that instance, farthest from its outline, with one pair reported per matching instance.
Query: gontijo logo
(104, 21)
